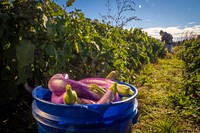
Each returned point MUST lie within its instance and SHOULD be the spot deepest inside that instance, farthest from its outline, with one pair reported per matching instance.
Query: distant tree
(119, 19)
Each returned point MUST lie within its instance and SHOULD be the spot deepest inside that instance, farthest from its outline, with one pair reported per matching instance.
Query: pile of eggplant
(87, 91)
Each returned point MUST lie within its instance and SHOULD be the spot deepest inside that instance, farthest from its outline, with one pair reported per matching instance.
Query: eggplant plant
(40, 39)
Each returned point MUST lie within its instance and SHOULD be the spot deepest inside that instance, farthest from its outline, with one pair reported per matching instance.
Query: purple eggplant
(103, 82)
(60, 75)
(86, 101)
(109, 95)
(58, 99)
(116, 98)
(106, 83)
(57, 86)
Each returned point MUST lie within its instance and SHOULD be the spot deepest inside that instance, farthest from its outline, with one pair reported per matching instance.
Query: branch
(118, 18)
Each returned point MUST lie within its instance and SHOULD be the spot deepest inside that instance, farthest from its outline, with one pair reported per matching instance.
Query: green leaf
(51, 51)
(69, 3)
(25, 53)
(23, 74)
(96, 45)
(77, 47)
(67, 49)
(51, 71)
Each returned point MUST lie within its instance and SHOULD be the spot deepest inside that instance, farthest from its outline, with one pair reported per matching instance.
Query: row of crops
(188, 100)
(39, 39)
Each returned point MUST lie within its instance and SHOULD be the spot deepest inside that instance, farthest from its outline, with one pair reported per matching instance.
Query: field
(40, 39)
(157, 83)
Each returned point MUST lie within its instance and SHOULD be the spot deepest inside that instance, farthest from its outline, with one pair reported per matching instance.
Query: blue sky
(178, 17)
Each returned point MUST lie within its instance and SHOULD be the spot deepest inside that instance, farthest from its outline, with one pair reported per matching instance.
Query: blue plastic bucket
(83, 118)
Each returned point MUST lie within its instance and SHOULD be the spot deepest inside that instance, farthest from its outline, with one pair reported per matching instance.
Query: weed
(168, 125)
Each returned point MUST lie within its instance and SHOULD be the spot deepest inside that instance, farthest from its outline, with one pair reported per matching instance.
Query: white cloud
(148, 20)
(191, 23)
(177, 32)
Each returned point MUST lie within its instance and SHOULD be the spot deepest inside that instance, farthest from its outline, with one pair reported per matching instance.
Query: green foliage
(39, 39)
(70, 2)
(191, 57)
(167, 126)
(188, 99)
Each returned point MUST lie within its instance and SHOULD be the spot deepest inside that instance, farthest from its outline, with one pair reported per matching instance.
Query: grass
(156, 84)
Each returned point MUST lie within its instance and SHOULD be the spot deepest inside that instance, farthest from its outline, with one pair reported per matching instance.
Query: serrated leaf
(25, 53)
